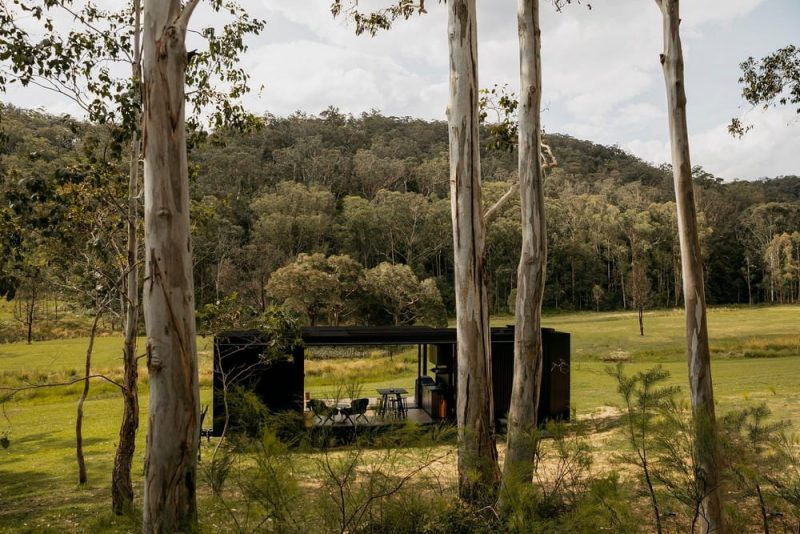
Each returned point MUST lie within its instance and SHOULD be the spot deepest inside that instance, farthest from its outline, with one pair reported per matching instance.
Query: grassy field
(755, 359)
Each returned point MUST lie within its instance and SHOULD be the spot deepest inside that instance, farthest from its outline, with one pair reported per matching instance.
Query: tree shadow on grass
(69, 443)
(30, 438)
(17, 486)
(21, 449)
(33, 500)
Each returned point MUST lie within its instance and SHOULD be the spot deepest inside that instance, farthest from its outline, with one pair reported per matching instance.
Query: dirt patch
(616, 356)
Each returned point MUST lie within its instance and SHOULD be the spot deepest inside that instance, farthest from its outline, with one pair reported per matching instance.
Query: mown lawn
(755, 359)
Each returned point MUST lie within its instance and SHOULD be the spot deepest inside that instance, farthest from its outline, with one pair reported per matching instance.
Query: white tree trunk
(699, 357)
(174, 411)
(518, 466)
(478, 471)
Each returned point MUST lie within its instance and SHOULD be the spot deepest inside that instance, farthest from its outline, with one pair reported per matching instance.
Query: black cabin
(280, 382)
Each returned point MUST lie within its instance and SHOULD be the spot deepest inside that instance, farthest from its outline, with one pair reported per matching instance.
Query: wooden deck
(414, 415)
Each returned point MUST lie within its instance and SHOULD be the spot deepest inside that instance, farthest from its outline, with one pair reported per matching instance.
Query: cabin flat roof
(378, 335)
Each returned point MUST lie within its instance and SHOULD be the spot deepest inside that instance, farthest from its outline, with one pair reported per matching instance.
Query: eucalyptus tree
(344, 302)
(415, 227)
(782, 267)
(94, 245)
(294, 218)
(534, 158)
(218, 241)
(374, 173)
(520, 450)
(30, 210)
(305, 286)
(121, 483)
(403, 296)
(756, 227)
(80, 51)
(174, 417)
(311, 162)
(698, 350)
(478, 470)
(636, 225)
(430, 176)
(359, 224)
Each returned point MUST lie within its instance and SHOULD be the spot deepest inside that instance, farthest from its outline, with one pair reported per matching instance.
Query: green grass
(38, 472)
(755, 359)
(66, 323)
(61, 354)
(734, 331)
(736, 383)
(323, 376)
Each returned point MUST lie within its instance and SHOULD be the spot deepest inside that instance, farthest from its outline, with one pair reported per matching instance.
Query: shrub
(247, 414)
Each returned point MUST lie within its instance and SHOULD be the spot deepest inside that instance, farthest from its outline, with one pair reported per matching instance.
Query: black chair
(323, 411)
(357, 408)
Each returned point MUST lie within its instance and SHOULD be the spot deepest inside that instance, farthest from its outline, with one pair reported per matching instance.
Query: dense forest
(346, 219)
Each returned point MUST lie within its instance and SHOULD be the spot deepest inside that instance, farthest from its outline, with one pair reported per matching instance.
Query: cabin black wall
(277, 382)
(554, 398)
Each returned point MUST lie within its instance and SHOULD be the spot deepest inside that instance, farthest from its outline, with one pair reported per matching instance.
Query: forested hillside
(359, 192)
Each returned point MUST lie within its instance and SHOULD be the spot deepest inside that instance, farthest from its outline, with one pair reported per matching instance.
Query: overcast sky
(601, 74)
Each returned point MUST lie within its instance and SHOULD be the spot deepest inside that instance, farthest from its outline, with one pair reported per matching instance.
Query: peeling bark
(519, 463)
(478, 471)
(698, 352)
(174, 413)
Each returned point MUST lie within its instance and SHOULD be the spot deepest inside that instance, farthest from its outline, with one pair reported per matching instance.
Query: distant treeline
(375, 188)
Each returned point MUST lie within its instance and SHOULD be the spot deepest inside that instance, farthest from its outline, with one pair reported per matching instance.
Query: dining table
(398, 406)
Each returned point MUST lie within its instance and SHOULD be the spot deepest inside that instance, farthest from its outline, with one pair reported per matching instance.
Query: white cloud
(769, 149)
(630, 116)
(698, 13)
(38, 98)
(310, 76)
(652, 150)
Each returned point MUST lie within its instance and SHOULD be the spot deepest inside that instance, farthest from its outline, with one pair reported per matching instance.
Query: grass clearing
(52, 320)
(755, 359)
(764, 331)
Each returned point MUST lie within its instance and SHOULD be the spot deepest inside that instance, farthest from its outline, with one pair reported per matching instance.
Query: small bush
(566, 496)
(247, 414)
(218, 468)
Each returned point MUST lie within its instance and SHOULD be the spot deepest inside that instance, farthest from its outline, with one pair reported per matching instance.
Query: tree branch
(492, 212)
(548, 159)
(14, 391)
(548, 162)
(186, 14)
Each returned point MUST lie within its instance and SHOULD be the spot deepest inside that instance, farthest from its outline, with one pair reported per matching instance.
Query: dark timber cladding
(279, 382)
(239, 362)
